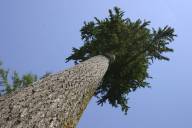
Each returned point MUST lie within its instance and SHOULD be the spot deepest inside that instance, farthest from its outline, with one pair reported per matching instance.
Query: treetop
(133, 45)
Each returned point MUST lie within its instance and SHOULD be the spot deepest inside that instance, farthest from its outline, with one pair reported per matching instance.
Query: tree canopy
(133, 44)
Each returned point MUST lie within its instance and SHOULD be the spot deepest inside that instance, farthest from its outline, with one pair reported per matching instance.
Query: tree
(114, 61)
(56, 101)
(16, 82)
(134, 47)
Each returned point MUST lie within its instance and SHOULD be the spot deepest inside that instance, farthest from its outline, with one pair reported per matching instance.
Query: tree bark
(56, 101)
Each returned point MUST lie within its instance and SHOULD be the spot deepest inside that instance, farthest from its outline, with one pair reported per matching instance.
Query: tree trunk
(56, 101)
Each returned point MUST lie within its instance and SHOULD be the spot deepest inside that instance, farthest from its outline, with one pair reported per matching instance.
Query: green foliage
(16, 81)
(134, 46)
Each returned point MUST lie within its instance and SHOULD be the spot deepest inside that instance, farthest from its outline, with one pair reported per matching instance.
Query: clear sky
(37, 35)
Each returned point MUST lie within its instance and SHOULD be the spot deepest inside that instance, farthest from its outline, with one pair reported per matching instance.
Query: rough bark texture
(56, 101)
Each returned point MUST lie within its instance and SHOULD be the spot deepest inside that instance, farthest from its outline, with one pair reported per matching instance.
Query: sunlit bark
(55, 101)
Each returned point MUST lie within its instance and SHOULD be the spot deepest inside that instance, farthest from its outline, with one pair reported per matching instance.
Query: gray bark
(55, 101)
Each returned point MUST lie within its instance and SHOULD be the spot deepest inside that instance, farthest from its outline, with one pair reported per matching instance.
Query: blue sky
(37, 35)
